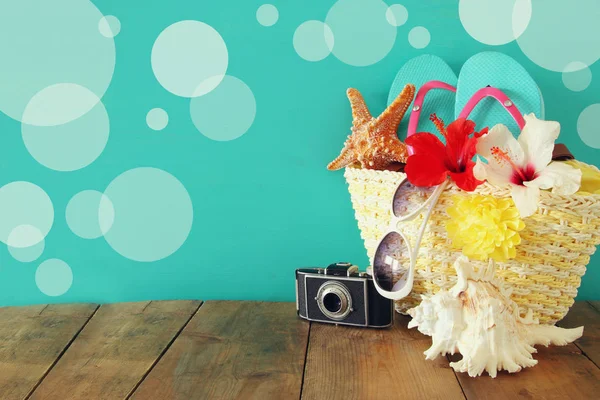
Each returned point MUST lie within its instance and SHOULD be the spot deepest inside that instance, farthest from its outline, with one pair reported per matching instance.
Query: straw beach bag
(556, 245)
(481, 232)
(541, 248)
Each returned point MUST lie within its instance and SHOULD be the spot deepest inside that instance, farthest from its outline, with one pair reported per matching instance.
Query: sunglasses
(408, 203)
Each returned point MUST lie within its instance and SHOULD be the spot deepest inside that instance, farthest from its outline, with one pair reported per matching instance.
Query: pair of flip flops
(492, 88)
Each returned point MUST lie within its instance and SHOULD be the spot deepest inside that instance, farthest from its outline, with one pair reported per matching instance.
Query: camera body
(339, 294)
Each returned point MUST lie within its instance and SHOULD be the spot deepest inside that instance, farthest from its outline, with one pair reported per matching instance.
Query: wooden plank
(595, 304)
(360, 363)
(31, 339)
(115, 350)
(244, 350)
(583, 313)
(562, 372)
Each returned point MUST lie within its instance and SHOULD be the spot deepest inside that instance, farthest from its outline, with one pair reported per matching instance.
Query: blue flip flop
(426, 72)
(503, 75)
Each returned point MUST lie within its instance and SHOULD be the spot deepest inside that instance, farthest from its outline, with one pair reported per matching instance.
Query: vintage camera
(339, 294)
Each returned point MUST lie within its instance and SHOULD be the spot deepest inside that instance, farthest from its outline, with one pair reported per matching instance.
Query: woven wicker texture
(556, 243)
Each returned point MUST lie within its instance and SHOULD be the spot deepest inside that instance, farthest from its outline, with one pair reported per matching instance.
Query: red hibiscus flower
(432, 161)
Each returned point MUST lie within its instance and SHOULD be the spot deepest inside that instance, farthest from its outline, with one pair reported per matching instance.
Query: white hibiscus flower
(525, 163)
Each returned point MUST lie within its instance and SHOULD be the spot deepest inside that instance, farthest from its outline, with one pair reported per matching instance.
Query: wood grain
(562, 372)
(360, 363)
(249, 350)
(233, 350)
(31, 339)
(583, 313)
(115, 350)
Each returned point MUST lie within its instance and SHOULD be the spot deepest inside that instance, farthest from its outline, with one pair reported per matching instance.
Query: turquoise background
(264, 204)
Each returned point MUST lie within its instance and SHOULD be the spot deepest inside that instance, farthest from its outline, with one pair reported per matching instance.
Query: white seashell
(477, 319)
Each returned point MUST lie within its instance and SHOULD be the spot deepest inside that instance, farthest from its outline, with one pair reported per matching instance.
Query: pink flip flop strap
(489, 91)
(498, 95)
(413, 122)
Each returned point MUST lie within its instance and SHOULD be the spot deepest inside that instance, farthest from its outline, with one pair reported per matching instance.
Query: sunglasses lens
(408, 198)
(388, 260)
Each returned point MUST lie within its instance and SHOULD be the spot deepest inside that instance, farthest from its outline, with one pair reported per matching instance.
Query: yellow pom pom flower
(484, 227)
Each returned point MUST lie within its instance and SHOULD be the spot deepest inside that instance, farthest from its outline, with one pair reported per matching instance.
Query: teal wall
(208, 217)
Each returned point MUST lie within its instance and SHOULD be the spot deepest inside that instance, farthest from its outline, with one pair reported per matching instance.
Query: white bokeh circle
(579, 79)
(26, 254)
(60, 145)
(22, 236)
(313, 40)
(494, 22)
(54, 277)
(90, 214)
(59, 104)
(51, 42)
(157, 119)
(227, 112)
(267, 15)
(153, 214)
(362, 33)
(396, 15)
(186, 54)
(419, 37)
(109, 26)
(587, 125)
(26, 214)
(561, 33)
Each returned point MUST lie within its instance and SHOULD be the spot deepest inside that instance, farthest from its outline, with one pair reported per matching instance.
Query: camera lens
(332, 302)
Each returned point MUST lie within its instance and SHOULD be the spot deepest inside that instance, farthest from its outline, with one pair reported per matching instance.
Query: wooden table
(255, 350)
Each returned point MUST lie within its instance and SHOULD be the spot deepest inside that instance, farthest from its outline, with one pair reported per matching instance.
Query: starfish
(374, 143)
